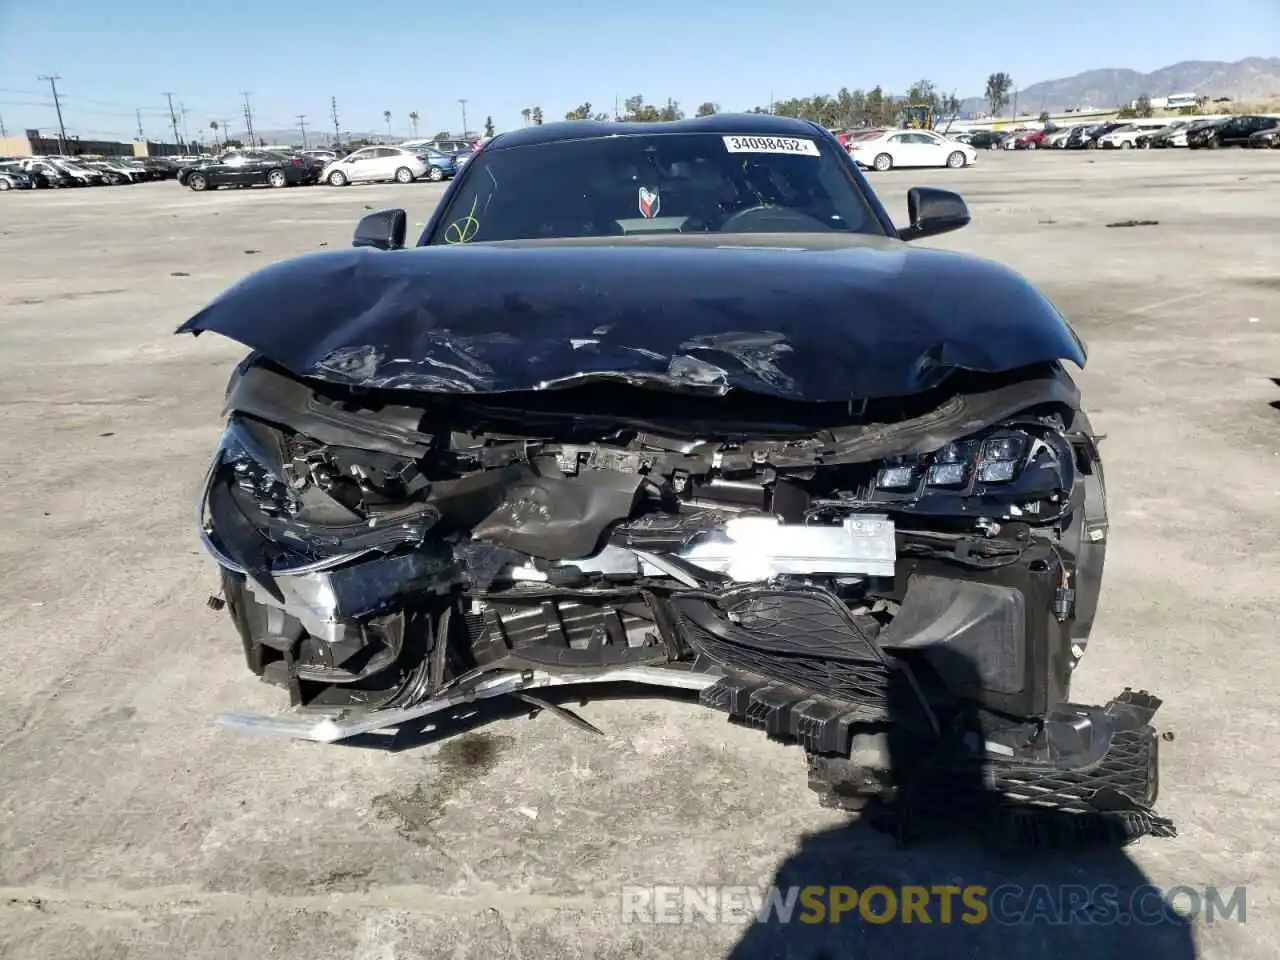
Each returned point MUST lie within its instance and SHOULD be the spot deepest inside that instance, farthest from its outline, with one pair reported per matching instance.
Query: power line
(302, 125)
(57, 105)
(173, 119)
(337, 133)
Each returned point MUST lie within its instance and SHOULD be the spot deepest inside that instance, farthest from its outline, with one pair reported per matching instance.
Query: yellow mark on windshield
(464, 229)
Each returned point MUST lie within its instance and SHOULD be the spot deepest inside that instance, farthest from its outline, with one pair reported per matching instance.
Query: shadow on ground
(986, 879)
(989, 878)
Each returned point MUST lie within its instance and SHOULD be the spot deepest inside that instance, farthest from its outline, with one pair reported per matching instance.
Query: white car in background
(372, 164)
(1126, 137)
(910, 148)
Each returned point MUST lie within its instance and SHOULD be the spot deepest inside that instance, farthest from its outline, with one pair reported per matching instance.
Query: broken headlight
(1025, 470)
(258, 511)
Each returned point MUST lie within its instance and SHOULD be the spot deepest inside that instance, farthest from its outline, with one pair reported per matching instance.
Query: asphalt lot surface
(131, 828)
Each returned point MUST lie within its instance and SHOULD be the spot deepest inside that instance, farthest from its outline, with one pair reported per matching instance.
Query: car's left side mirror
(383, 230)
(932, 212)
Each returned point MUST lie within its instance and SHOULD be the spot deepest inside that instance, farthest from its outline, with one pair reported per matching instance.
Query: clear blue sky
(116, 56)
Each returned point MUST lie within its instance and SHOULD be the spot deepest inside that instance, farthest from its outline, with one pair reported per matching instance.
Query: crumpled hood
(819, 320)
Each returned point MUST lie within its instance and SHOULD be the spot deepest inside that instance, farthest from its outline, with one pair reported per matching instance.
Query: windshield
(655, 183)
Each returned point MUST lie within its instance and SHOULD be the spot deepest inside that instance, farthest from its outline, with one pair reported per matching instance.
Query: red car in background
(849, 137)
(1033, 139)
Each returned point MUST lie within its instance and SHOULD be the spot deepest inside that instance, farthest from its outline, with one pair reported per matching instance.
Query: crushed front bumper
(967, 683)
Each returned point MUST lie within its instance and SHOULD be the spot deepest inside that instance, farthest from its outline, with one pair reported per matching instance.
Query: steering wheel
(741, 222)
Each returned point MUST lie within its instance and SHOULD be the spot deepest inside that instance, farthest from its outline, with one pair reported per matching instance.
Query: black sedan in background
(159, 167)
(989, 139)
(1230, 133)
(248, 168)
(1266, 139)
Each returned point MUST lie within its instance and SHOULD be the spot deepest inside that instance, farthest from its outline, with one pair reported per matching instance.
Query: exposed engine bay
(816, 570)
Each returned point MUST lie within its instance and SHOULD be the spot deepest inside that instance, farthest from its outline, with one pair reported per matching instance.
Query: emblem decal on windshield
(650, 203)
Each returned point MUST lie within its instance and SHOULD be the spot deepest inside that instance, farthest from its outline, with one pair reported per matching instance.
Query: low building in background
(34, 144)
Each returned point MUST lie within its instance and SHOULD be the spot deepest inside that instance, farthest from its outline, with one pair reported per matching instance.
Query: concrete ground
(131, 828)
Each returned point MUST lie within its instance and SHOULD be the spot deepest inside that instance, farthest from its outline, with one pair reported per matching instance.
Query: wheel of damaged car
(883, 162)
(197, 182)
(435, 174)
(404, 175)
(337, 179)
(276, 178)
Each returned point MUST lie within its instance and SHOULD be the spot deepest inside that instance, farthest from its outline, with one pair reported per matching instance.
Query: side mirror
(383, 230)
(932, 212)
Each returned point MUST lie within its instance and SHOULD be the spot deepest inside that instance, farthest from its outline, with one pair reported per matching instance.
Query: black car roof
(751, 124)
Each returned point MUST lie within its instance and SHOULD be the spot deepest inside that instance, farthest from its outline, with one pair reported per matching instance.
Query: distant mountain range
(1245, 81)
(1252, 79)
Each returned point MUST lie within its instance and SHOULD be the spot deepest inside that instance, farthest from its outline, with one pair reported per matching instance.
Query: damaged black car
(676, 404)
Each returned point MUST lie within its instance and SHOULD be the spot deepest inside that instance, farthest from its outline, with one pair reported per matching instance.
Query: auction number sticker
(795, 145)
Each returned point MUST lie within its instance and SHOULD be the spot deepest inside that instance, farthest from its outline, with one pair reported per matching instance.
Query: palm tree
(526, 113)
(213, 125)
(386, 115)
(413, 119)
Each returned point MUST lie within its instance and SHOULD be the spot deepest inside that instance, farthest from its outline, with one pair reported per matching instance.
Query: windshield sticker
(464, 229)
(794, 145)
(650, 203)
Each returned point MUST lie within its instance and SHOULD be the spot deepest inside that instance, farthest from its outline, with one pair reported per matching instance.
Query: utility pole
(226, 132)
(186, 134)
(2, 133)
(173, 118)
(302, 125)
(57, 105)
(337, 134)
(463, 101)
(138, 114)
(248, 122)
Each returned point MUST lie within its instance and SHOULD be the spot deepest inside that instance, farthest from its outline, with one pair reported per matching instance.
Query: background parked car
(1156, 139)
(248, 168)
(1178, 137)
(117, 171)
(45, 174)
(441, 166)
(160, 167)
(988, 139)
(376, 164)
(80, 176)
(1033, 139)
(1266, 139)
(1125, 136)
(1234, 132)
(910, 148)
(14, 179)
